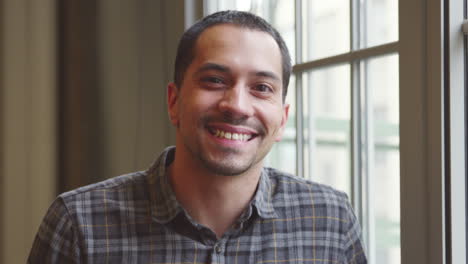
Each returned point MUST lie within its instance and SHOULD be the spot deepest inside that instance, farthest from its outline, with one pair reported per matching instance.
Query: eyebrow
(212, 66)
(268, 74)
(218, 67)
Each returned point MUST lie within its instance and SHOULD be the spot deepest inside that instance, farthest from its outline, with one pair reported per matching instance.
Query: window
(344, 118)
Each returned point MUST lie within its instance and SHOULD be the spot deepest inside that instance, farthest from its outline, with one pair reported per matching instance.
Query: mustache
(231, 119)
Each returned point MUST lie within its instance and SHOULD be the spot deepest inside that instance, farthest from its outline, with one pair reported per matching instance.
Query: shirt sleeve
(354, 248)
(56, 240)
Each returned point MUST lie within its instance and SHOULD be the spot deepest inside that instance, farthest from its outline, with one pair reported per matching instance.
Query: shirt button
(218, 249)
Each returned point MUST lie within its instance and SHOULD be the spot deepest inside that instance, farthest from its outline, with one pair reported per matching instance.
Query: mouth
(231, 135)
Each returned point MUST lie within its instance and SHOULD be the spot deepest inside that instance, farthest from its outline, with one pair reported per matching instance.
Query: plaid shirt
(136, 218)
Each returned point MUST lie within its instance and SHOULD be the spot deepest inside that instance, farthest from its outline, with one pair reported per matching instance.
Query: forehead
(230, 44)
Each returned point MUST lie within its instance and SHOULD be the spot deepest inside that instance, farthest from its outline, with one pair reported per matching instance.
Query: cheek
(271, 117)
(201, 102)
(193, 106)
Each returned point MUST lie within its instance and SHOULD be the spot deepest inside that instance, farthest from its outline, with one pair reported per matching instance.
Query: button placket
(218, 248)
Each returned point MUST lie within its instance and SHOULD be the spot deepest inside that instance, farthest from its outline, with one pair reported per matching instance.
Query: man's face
(229, 110)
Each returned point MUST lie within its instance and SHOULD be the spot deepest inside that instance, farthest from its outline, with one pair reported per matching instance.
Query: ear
(284, 120)
(172, 103)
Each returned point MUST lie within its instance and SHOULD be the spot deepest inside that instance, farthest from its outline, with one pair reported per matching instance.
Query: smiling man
(209, 199)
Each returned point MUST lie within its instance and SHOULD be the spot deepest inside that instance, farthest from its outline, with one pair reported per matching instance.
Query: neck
(215, 201)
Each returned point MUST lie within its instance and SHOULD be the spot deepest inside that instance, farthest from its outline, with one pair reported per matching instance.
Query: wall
(136, 58)
(82, 93)
(28, 142)
(116, 60)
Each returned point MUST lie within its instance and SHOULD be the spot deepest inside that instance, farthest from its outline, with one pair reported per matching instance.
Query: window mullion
(356, 125)
(356, 190)
(355, 55)
(299, 93)
(361, 124)
(367, 162)
(355, 25)
(356, 149)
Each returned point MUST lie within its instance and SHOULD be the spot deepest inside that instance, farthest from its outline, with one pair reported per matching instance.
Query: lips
(231, 132)
(232, 135)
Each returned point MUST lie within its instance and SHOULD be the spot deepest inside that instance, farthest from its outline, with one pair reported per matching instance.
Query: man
(209, 199)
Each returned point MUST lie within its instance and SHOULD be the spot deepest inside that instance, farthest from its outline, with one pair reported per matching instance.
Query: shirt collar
(263, 199)
(164, 204)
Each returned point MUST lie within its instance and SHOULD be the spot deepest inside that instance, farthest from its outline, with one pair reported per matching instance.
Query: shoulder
(115, 183)
(292, 195)
(301, 200)
(132, 182)
(60, 234)
(288, 185)
(109, 196)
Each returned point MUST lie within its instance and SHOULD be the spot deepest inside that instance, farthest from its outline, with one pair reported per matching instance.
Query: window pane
(325, 28)
(327, 126)
(384, 172)
(279, 13)
(382, 22)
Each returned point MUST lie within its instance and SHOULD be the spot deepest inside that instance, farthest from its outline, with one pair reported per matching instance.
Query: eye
(263, 88)
(212, 80)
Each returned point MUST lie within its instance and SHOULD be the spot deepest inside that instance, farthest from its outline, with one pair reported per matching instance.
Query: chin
(227, 168)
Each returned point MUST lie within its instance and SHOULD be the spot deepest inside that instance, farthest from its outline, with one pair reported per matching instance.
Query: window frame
(455, 129)
(433, 169)
(421, 156)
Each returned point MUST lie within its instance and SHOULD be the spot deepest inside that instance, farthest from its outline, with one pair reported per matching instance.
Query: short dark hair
(186, 48)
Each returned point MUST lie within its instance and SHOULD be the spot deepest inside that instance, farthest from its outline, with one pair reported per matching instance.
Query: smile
(232, 136)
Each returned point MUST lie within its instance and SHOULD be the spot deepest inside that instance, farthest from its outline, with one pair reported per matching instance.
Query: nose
(236, 101)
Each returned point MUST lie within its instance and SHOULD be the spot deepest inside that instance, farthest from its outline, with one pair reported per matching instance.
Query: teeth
(232, 136)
